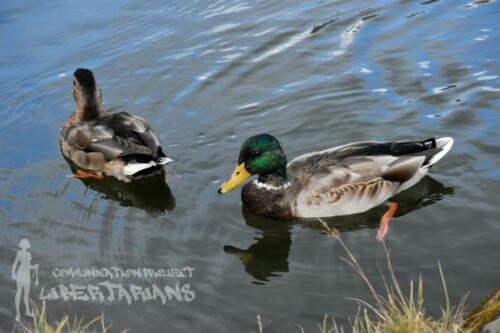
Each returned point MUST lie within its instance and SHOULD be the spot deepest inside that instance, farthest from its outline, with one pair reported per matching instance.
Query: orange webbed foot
(384, 221)
(85, 175)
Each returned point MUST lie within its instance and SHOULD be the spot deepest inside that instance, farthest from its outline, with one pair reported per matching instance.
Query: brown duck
(102, 144)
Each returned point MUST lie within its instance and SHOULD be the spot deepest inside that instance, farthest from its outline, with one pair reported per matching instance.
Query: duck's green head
(259, 155)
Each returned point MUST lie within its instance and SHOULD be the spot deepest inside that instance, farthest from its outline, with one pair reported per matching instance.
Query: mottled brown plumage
(119, 144)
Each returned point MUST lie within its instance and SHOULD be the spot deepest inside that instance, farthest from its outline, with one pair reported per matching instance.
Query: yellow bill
(238, 176)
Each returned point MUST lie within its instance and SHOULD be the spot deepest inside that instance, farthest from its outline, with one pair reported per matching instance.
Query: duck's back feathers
(356, 177)
(119, 137)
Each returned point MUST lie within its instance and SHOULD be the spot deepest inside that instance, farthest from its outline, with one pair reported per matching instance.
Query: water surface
(207, 75)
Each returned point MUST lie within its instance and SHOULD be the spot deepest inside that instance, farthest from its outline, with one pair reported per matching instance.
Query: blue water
(207, 75)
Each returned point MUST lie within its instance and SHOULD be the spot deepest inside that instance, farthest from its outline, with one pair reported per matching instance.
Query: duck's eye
(237, 173)
(256, 153)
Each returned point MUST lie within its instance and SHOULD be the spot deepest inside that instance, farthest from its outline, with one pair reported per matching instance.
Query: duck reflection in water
(150, 193)
(268, 256)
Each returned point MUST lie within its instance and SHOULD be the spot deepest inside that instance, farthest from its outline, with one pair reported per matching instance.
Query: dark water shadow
(268, 255)
(150, 193)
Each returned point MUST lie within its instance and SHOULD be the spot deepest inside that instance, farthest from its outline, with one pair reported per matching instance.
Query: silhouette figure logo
(22, 270)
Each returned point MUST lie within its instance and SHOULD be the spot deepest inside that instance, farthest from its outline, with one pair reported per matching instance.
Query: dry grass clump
(395, 311)
(488, 310)
(392, 311)
(42, 325)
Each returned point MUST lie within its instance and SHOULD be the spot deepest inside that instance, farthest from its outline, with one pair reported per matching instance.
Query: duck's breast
(266, 202)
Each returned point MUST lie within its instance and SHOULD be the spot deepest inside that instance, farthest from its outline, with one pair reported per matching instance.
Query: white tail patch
(445, 145)
(133, 168)
(164, 160)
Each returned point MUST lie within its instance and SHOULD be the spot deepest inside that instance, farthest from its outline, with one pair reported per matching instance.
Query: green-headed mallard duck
(118, 144)
(343, 180)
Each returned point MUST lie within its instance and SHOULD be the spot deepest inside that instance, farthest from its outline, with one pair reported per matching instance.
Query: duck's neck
(89, 111)
(277, 179)
(83, 114)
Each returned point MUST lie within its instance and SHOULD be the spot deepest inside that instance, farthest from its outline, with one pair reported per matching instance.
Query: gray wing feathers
(93, 143)
(355, 184)
(137, 125)
(358, 176)
(117, 146)
(403, 169)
